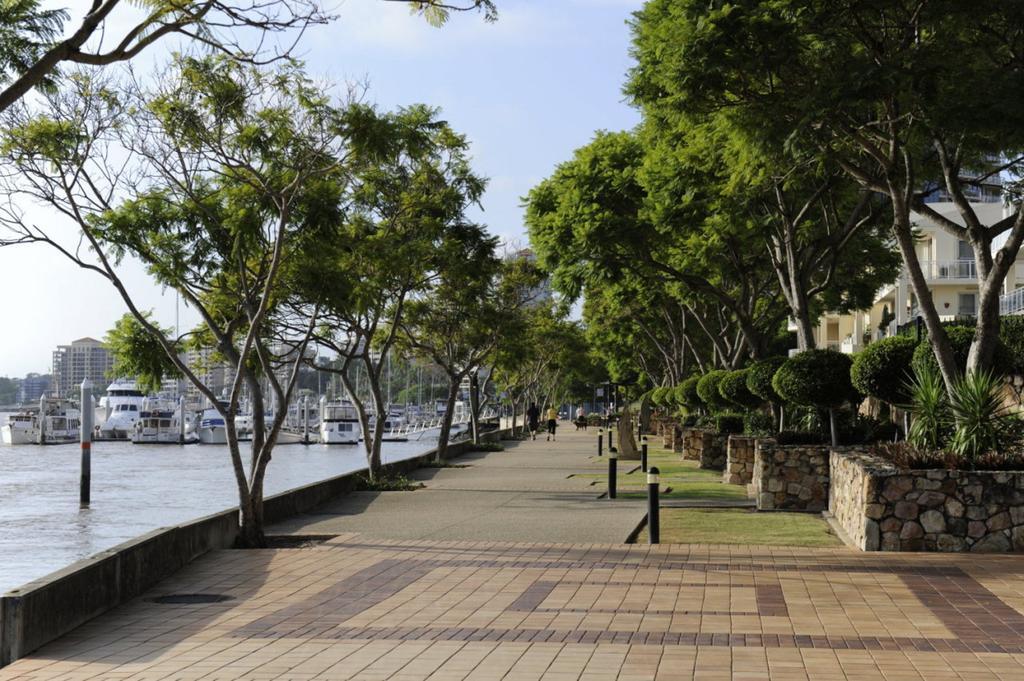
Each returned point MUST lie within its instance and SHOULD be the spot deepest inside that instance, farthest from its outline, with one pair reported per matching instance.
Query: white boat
(211, 428)
(159, 423)
(119, 409)
(60, 421)
(339, 423)
(21, 429)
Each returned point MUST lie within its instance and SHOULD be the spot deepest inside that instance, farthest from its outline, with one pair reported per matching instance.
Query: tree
(460, 320)
(817, 378)
(224, 181)
(35, 42)
(406, 200)
(873, 86)
(138, 353)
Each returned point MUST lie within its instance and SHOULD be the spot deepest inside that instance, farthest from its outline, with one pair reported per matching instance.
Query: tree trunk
(250, 520)
(474, 406)
(936, 333)
(986, 328)
(446, 422)
(804, 328)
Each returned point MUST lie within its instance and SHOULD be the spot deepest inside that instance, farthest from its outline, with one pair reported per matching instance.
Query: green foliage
(728, 423)
(960, 339)
(882, 368)
(659, 396)
(1011, 334)
(759, 379)
(759, 424)
(815, 378)
(138, 354)
(26, 32)
(687, 393)
(733, 388)
(984, 423)
(707, 390)
(931, 420)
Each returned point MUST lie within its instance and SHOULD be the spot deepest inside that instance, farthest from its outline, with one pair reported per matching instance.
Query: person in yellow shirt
(552, 416)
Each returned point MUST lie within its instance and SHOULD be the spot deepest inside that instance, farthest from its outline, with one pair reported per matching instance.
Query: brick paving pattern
(366, 608)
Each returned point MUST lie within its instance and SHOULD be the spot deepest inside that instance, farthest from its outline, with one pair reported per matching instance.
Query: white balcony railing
(952, 270)
(1012, 302)
(847, 346)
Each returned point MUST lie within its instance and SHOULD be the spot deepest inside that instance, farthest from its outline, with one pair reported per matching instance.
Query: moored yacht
(339, 423)
(211, 428)
(160, 423)
(119, 409)
(57, 422)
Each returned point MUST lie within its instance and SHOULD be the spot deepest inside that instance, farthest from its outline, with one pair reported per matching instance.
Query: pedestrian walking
(552, 417)
(533, 420)
(581, 418)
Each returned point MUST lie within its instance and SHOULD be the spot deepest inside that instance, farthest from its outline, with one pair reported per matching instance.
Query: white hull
(334, 433)
(18, 436)
(213, 435)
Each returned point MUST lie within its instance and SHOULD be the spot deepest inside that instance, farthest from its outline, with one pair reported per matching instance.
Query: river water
(135, 489)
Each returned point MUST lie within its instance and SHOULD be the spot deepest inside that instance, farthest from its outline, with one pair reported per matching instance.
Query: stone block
(906, 510)
(976, 529)
(954, 508)
(931, 499)
(874, 511)
(1000, 521)
(933, 521)
(911, 530)
(997, 542)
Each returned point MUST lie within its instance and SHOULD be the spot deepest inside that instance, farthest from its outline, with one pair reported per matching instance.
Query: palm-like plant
(932, 417)
(984, 423)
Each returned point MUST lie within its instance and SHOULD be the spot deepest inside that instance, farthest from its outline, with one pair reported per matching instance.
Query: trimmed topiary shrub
(733, 389)
(960, 338)
(883, 369)
(728, 423)
(1011, 333)
(689, 395)
(815, 378)
(758, 424)
(707, 389)
(659, 395)
(759, 378)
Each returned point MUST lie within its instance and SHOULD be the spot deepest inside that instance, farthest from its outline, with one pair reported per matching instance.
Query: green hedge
(690, 397)
(728, 423)
(707, 389)
(733, 389)
(759, 424)
(883, 369)
(815, 378)
(960, 338)
(759, 378)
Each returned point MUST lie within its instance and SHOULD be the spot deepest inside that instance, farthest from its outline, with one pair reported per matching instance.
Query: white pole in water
(181, 419)
(86, 438)
(305, 419)
(42, 420)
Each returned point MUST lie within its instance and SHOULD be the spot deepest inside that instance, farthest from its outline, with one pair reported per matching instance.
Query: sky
(526, 91)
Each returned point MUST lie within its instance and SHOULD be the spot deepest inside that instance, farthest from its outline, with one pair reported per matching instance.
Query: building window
(968, 304)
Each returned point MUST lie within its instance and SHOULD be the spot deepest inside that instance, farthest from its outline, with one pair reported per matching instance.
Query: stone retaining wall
(47, 608)
(692, 443)
(881, 507)
(739, 460)
(712, 450)
(790, 477)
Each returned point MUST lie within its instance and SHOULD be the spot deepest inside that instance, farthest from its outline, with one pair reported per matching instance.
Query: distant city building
(215, 374)
(32, 387)
(84, 358)
(542, 293)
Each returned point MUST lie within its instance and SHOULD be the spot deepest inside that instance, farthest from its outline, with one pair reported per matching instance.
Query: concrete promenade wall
(51, 606)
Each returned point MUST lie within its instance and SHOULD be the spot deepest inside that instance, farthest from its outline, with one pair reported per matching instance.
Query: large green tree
(888, 90)
(407, 202)
(224, 181)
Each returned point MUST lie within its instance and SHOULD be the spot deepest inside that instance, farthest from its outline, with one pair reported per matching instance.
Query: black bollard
(609, 437)
(653, 508)
(600, 441)
(612, 472)
(643, 454)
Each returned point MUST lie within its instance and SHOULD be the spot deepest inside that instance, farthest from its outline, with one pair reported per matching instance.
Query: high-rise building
(32, 387)
(84, 358)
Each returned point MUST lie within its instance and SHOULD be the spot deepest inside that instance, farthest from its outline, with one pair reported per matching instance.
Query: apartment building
(82, 359)
(949, 270)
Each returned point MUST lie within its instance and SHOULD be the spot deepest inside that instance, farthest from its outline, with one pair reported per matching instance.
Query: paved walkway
(389, 603)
